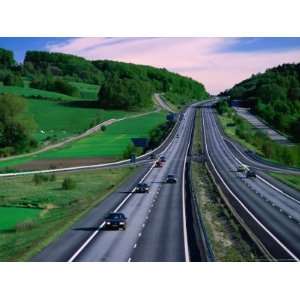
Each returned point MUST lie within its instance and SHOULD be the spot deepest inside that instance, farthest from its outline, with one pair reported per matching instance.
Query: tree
(15, 127)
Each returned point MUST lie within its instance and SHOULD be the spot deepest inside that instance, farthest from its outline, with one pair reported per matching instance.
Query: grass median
(35, 212)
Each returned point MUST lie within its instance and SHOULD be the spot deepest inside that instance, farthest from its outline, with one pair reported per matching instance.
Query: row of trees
(55, 85)
(274, 96)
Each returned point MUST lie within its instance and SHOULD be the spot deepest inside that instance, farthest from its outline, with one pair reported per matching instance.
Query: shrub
(25, 225)
(68, 184)
(40, 178)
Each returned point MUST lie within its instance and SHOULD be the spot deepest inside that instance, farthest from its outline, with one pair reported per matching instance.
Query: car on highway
(177, 136)
(171, 179)
(250, 174)
(142, 188)
(158, 164)
(241, 168)
(163, 159)
(115, 220)
(152, 156)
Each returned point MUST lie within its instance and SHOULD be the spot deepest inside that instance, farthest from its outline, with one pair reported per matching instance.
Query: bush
(68, 184)
(40, 178)
(103, 128)
(132, 150)
(26, 225)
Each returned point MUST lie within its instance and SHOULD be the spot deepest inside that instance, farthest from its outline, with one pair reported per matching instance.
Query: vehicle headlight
(122, 223)
(108, 223)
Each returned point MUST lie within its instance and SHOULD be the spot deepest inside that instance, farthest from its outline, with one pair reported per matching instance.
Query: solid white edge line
(185, 239)
(246, 209)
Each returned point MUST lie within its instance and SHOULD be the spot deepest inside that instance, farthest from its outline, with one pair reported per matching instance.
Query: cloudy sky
(219, 63)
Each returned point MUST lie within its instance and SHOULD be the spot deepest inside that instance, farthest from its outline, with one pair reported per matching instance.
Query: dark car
(163, 159)
(115, 221)
(152, 156)
(171, 179)
(142, 188)
(250, 173)
(177, 136)
(158, 164)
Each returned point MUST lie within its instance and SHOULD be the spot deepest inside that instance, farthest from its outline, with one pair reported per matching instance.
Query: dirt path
(89, 131)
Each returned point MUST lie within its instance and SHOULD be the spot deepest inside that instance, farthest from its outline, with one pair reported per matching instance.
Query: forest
(274, 96)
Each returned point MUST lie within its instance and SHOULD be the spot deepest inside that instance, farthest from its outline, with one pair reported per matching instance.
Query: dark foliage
(274, 96)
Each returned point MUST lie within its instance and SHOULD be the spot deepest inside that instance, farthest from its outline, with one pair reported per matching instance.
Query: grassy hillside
(61, 119)
(33, 93)
(275, 96)
(112, 142)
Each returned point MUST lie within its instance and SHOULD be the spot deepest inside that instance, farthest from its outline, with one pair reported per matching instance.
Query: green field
(113, 141)
(11, 216)
(30, 92)
(62, 119)
(291, 180)
(50, 208)
(87, 91)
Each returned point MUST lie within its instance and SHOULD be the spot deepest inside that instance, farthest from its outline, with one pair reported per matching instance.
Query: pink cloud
(199, 58)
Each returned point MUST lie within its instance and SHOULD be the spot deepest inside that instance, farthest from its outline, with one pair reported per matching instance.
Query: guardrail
(200, 248)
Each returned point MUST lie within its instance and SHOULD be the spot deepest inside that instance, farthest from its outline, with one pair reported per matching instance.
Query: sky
(218, 63)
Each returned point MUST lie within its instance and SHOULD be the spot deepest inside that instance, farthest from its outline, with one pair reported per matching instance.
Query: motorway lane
(155, 229)
(119, 245)
(256, 195)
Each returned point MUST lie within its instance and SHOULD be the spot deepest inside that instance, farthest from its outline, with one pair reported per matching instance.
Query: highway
(269, 214)
(156, 228)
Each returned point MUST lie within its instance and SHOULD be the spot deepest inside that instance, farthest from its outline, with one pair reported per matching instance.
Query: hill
(274, 96)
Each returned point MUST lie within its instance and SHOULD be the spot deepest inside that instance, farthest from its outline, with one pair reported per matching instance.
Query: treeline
(287, 155)
(124, 79)
(70, 67)
(275, 96)
(54, 85)
(10, 72)
(122, 85)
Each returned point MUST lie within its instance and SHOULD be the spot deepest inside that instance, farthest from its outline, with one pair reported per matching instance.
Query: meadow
(28, 92)
(112, 142)
(57, 120)
(32, 215)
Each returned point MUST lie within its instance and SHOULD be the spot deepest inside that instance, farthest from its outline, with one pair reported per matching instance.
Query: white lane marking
(185, 239)
(134, 246)
(262, 179)
(242, 204)
(140, 234)
(129, 259)
(84, 245)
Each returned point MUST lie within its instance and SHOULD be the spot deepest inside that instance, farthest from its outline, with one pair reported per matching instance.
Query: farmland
(38, 213)
(106, 145)
(33, 93)
(62, 119)
(113, 141)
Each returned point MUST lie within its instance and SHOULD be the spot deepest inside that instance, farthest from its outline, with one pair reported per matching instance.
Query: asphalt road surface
(271, 215)
(156, 228)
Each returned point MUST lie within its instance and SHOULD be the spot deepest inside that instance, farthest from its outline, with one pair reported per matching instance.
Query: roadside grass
(228, 240)
(87, 91)
(229, 127)
(58, 120)
(11, 216)
(39, 213)
(291, 180)
(28, 92)
(113, 141)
